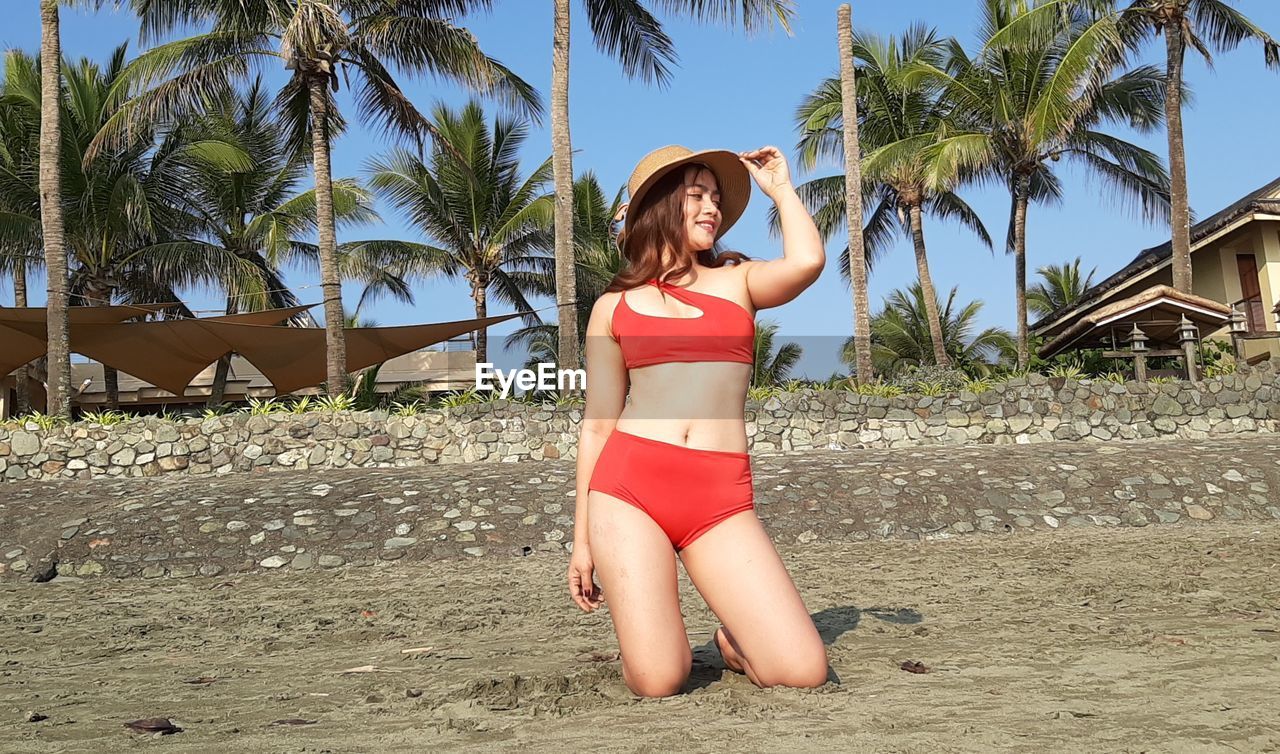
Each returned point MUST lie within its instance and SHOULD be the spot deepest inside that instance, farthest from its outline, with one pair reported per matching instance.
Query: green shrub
(763, 392)
(466, 397)
(945, 379)
(334, 403)
(105, 418)
(931, 389)
(42, 421)
(412, 408)
(1071, 370)
(268, 407)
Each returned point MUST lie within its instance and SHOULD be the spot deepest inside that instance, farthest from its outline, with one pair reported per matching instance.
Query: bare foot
(731, 658)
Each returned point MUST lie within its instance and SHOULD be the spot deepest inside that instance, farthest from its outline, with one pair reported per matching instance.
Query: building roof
(1259, 200)
(1158, 312)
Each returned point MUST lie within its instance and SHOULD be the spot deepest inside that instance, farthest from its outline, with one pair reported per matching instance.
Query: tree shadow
(832, 623)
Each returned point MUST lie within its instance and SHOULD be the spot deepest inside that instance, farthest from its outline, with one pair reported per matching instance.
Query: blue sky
(736, 92)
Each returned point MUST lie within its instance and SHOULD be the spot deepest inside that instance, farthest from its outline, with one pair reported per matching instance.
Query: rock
(1165, 405)
(90, 568)
(398, 542)
(1199, 513)
(275, 561)
(24, 444)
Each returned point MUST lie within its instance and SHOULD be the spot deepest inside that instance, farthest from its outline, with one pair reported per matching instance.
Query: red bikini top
(724, 332)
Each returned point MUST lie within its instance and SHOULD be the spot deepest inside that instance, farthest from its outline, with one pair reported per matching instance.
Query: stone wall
(325, 518)
(1031, 410)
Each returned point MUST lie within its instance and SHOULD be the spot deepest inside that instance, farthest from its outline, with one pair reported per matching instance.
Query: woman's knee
(655, 680)
(798, 672)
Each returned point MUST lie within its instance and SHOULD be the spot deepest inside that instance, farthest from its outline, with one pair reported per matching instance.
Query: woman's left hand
(768, 167)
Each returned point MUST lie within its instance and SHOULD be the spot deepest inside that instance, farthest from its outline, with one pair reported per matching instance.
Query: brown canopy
(294, 358)
(23, 329)
(168, 353)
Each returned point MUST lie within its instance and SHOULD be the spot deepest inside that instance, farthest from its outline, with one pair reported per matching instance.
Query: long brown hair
(659, 223)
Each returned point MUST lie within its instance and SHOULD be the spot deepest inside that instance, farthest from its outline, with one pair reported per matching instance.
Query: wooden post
(1138, 346)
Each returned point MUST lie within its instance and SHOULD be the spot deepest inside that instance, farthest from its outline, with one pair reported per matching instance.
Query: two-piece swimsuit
(685, 490)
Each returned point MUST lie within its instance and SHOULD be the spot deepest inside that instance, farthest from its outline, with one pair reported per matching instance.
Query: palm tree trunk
(55, 256)
(218, 390)
(478, 287)
(100, 295)
(1021, 192)
(853, 198)
(22, 388)
(1181, 214)
(330, 282)
(562, 169)
(926, 286)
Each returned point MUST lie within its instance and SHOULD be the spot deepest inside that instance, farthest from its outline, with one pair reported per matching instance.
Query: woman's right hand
(582, 586)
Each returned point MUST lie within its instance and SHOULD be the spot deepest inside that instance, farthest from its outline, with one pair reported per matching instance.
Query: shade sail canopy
(294, 358)
(1157, 311)
(169, 353)
(18, 348)
(23, 329)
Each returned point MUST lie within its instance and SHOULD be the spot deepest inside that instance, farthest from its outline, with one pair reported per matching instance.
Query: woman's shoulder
(601, 318)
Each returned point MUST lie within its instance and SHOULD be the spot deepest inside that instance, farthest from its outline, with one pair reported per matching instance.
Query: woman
(668, 472)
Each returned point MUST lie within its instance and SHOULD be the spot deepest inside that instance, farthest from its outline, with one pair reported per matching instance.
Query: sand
(1164, 638)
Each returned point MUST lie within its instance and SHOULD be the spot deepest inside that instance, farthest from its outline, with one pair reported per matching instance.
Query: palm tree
(257, 213)
(1188, 23)
(628, 31)
(772, 368)
(316, 40)
(58, 401)
(897, 107)
(1038, 91)
(856, 264)
(484, 221)
(901, 335)
(126, 217)
(20, 252)
(597, 261)
(1060, 286)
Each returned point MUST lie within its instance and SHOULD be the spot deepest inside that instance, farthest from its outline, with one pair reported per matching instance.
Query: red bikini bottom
(685, 490)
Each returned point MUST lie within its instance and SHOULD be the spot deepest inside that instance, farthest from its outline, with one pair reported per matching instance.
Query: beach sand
(1163, 638)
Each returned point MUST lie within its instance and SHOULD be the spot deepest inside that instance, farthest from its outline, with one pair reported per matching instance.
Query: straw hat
(731, 174)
